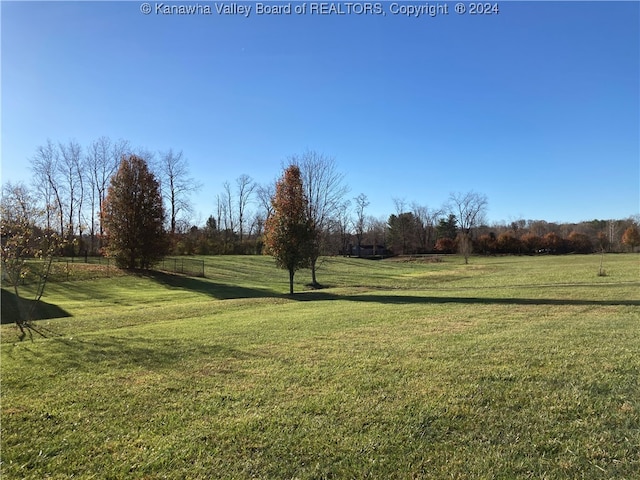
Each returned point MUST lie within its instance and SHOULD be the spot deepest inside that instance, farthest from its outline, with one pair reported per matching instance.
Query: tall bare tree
(227, 200)
(245, 188)
(402, 228)
(343, 222)
(325, 189)
(426, 220)
(177, 185)
(73, 178)
(265, 193)
(221, 212)
(46, 175)
(469, 209)
(103, 157)
(362, 202)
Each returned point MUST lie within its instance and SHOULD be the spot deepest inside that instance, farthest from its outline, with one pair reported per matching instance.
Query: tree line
(134, 206)
(70, 185)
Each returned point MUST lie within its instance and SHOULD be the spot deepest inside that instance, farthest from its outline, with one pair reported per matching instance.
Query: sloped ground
(510, 367)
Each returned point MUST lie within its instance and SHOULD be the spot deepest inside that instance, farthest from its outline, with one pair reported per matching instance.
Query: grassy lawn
(509, 367)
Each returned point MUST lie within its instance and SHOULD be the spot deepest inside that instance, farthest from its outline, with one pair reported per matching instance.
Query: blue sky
(537, 107)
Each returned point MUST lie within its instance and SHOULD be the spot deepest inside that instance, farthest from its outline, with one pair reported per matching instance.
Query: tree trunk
(291, 274)
(314, 281)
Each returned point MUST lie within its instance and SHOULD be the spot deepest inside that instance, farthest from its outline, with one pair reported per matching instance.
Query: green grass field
(506, 368)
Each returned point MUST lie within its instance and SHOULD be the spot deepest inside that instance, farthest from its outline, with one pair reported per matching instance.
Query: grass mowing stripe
(483, 378)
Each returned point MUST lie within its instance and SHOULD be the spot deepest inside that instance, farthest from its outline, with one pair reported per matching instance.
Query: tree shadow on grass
(75, 353)
(421, 299)
(223, 292)
(41, 310)
(219, 291)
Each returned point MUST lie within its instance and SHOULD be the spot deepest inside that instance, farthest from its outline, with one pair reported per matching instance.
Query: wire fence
(62, 269)
(184, 266)
(65, 269)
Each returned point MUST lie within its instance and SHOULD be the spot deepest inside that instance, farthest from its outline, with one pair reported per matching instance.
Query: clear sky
(537, 107)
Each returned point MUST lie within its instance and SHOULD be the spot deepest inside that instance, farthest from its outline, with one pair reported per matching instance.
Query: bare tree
(90, 162)
(46, 174)
(469, 209)
(71, 173)
(227, 198)
(402, 228)
(246, 187)
(325, 190)
(265, 193)
(256, 228)
(103, 157)
(400, 204)
(362, 202)
(342, 222)
(377, 229)
(426, 220)
(176, 185)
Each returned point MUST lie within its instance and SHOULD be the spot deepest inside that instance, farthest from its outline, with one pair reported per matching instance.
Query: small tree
(289, 231)
(465, 245)
(133, 216)
(27, 250)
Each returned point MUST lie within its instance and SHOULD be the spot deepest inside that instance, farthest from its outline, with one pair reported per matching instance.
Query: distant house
(368, 251)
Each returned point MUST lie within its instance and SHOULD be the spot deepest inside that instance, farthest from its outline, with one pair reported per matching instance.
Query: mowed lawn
(506, 368)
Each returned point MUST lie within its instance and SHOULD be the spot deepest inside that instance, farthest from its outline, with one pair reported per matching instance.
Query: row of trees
(132, 217)
(70, 182)
(135, 207)
(410, 233)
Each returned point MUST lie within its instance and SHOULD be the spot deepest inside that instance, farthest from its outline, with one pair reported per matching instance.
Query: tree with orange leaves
(289, 232)
(631, 237)
(133, 216)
